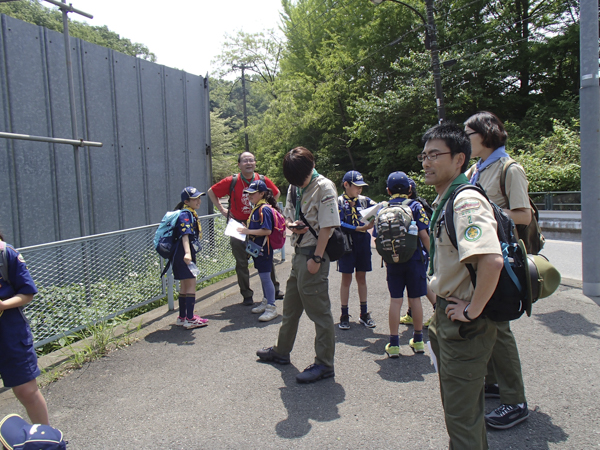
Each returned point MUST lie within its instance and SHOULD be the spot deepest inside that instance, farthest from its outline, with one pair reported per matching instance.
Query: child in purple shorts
(18, 361)
(410, 274)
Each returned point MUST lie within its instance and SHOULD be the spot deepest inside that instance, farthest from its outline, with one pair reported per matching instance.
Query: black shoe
(248, 301)
(506, 416)
(491, 391)
(366, 320)
(279, 295)
(267, 354)
(344, 322)
(315, 372)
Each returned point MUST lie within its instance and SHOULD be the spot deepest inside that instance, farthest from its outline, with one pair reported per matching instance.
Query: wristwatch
(467, 314)
(317, 259)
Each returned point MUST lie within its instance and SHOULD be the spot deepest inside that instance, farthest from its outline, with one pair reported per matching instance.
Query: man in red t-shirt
(240, 209)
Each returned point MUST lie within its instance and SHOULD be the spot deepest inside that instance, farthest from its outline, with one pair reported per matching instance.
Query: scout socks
(181, 299)
(190, 302)
(268, 287)
(394, 340)
(363, 308)
(418, 336)
(345, 310)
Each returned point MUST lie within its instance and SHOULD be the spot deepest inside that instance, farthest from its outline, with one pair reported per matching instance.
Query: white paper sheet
(371, 212)
(231, 230)
(433, 358)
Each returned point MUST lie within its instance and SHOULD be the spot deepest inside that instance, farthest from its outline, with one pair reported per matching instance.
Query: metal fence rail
(92, 279)
(557, 200)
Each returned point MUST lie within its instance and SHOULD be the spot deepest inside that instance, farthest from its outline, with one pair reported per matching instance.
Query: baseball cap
(17, 434)
(354, 177)
(256, 186)
(398, 182)
(190, 192)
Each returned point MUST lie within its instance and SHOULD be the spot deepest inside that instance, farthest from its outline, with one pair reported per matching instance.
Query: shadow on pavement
(304, 402)
(241, 317)
(405, 368)
(569, 324)
(174, 335)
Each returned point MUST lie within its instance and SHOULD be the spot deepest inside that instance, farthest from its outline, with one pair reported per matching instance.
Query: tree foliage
(34, 12)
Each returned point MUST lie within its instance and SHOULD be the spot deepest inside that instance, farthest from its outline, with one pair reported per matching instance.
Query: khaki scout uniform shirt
(516, 184)
(319, 206)
(475, 234)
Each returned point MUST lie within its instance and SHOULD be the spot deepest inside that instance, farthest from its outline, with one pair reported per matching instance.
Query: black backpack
(393, 241)
(510, 299)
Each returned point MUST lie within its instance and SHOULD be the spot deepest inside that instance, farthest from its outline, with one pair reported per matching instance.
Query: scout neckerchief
(248, 180)
(261, 202)
(398, 196)
(461, 179)
(300, 192)
(196, 220)
(500, 152)
(353, 214)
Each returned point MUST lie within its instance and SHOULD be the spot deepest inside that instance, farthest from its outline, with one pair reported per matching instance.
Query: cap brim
(359, 183)
(248, 191)
(13, 431)
(528, 300)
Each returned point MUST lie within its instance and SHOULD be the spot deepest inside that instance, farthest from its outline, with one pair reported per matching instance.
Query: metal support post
(589, 98)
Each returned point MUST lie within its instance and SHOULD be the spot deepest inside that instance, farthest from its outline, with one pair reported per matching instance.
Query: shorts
(18, 361)
(264, 263)
(360, 258)
(410, 275)
(180, 268)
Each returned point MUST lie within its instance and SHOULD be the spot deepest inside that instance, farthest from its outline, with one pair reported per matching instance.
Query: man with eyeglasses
(240, 208)
(461, 339)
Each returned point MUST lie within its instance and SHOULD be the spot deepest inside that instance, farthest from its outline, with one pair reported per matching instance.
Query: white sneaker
(261, 307)
(269, 314)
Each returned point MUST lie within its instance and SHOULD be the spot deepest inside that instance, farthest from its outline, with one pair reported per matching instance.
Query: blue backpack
(165, 242)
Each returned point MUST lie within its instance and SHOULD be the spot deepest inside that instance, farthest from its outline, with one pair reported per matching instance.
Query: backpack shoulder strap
(505, 168)
(261, 178)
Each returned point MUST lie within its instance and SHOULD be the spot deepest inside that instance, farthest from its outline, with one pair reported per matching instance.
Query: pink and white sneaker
(180, 321)
(194, 323)
(200, 319)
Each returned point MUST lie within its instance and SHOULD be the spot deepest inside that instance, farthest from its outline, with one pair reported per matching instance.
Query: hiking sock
(363, 308)
(345, 310)
(181, 299)
(190, 302)
(394, 340)
(409, 313)
(268, 287)
(418, 336)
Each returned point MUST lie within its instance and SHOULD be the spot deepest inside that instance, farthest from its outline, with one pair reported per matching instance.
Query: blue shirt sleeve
(185, 223)
(420, 216)
(20, 281)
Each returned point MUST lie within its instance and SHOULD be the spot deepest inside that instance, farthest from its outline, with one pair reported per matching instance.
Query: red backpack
(277, 237)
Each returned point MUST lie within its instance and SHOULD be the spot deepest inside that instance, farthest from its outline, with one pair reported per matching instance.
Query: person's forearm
(424, 239)
(215, 201)
(259, 232)
(15, 301)
(520, 216)
(488, 272)
(322, 241)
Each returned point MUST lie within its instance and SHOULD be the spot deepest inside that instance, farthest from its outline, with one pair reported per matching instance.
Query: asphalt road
(178, 389)
(566, 257)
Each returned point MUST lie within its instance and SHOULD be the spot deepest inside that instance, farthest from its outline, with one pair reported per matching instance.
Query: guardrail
(92, 279)
(557, 200)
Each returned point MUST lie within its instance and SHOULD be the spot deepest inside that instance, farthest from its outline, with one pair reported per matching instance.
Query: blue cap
(190, 192)
(413, 188)
(256, 186)
(15, 433)
(398, 182)
(355, 177)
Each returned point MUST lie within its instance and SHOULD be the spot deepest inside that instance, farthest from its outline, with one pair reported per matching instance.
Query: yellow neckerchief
(352, 202)
(262, 201)
(196, 221)
(398, 196)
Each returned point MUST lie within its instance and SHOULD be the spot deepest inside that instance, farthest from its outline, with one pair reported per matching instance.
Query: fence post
(170, 281)
(548, 200)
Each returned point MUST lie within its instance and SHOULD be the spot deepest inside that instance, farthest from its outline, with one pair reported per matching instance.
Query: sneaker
(426, 324)
(200, 319)
(261, 307)
(417, 347)
(345, 322)
(269, 314)
(267, 354)
(315, 372)
(506, 416)
(406, 320)
(248, 301)
(180, 321)
(366, 320)
(195, 322)
(393, 351)
(491, 391)
(279, 295)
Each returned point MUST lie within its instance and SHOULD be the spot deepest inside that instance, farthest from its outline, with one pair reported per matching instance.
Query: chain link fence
(92, 279)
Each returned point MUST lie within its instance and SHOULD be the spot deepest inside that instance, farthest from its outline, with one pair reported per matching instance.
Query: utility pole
(589, 113)
(435, 62)
(244, 67)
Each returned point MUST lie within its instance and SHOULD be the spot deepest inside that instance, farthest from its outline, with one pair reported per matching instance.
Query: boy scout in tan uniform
(461, 338)
(307, 289)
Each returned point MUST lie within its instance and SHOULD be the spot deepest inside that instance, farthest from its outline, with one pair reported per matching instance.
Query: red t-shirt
(240, 205)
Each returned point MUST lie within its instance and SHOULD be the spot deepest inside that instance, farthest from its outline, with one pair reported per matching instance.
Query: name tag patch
(467, 206)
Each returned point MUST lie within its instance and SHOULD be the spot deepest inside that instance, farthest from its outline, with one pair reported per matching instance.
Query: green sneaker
(426, 324)
(392, 351)
(406, 320)
(417, 347)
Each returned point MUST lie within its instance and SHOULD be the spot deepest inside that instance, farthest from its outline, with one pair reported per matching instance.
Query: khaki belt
(307, 251)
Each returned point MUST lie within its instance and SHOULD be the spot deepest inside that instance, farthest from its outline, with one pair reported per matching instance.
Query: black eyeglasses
(471, 133)
(431, 157)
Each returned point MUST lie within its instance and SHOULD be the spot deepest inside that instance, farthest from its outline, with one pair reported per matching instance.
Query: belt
(440, 301)
(307, 251)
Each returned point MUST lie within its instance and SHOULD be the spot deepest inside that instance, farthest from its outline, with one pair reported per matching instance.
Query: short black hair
(454, 137)
(298, 164)
(490, 127)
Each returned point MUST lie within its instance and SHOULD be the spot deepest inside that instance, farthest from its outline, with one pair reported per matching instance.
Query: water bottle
(412, 229)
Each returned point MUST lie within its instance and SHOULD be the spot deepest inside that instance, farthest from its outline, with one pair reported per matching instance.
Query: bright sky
(185, 34)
